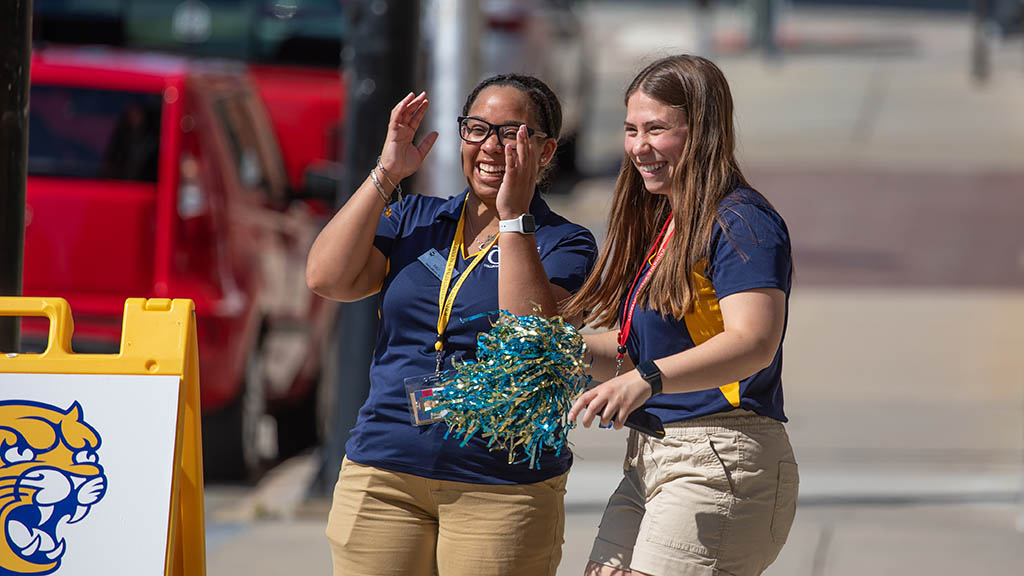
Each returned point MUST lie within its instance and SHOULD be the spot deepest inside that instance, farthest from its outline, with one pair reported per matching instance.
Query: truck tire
(297, 425)
(304, 424)
(231, 435)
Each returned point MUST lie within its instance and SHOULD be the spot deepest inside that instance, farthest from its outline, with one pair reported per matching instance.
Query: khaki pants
(716, 496)
(389, 523)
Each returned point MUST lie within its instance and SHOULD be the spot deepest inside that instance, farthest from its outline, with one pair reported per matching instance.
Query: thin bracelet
(398, 187)
(380, 191)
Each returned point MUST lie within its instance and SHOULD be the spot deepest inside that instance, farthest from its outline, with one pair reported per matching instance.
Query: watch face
(525, 224)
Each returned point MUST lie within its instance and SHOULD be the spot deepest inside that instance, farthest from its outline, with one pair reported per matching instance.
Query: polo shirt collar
(451, 209)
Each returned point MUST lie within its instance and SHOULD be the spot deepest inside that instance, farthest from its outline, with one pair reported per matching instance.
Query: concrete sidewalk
(851, 521)
(937, 540)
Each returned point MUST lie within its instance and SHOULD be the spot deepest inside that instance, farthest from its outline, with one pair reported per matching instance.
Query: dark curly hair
(544, 103)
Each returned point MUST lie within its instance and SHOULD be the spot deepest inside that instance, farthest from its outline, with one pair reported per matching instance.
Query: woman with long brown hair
(696, 274)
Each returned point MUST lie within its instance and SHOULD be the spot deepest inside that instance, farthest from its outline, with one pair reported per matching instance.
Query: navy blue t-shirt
(408, 305)
(752, 252)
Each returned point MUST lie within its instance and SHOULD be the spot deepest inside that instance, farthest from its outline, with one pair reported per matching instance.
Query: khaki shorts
(388, 523)
(716, 496)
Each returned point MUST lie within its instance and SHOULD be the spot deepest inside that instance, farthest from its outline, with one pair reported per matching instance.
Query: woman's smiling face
(655, 136)
(484, 163)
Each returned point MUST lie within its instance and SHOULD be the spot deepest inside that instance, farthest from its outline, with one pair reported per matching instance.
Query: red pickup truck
(157, 176)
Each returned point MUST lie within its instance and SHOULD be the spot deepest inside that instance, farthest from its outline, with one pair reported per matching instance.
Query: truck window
(254, 151)
(91, 133)
(242, 140)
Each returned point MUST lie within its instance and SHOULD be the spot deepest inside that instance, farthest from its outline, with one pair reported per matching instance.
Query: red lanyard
(630, 305)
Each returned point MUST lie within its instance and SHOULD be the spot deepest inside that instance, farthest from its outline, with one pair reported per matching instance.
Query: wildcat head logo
(49, 477)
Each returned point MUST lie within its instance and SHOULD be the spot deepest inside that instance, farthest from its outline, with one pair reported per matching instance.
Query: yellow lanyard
(446, 300)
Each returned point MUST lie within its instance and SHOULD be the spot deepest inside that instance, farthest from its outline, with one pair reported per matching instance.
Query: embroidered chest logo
(494, 257)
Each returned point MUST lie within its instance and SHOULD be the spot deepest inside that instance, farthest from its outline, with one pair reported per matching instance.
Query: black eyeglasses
(475, 130)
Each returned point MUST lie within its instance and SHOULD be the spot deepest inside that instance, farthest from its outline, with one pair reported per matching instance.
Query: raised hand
(400, 157)
(521, 162)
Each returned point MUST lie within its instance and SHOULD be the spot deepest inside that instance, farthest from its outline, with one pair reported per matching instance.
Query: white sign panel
(86, 463)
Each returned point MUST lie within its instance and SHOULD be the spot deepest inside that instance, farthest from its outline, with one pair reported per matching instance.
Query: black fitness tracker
(649, 371)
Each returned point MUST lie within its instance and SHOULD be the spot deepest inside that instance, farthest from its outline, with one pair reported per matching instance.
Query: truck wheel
(304, 424)
(231, 447)
(297, 425)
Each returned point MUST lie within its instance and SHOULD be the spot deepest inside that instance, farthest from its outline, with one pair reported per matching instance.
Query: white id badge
(420, 390)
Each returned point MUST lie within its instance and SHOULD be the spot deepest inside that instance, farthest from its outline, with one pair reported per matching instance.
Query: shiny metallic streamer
(518, 392)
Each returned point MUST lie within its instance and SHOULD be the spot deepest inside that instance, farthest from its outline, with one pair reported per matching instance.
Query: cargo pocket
(723, 452)
(785, 501)
(691, 508)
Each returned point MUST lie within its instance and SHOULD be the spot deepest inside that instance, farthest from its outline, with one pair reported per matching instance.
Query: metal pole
(764, 28)
(980, 68)
(15, 59)
(379, 62)
(452, 34)
(704, 31)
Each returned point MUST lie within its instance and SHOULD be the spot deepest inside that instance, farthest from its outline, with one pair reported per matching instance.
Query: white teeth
(654, 167)
(487, 169)
(80, 513)
(52, 555)
(31, 549)
(19, 533)
(44, 514)
(59, 530)
(45, 542)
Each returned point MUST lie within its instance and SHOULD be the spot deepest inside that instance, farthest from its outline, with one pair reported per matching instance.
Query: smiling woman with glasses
(409, 499)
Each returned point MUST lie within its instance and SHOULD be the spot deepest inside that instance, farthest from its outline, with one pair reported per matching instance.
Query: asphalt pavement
(901, 180)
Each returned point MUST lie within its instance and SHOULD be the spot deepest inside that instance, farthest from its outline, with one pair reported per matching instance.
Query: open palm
(400, 157)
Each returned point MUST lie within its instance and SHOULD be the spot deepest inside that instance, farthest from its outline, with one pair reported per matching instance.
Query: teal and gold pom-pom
(518, 392)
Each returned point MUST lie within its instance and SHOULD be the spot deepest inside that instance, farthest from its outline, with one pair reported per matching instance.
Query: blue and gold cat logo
(49, 477)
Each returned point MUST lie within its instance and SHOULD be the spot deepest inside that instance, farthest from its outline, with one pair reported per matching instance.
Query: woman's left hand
(521, 163)
(612, 401)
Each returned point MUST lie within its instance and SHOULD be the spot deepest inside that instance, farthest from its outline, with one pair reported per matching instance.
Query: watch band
(525, 224)
(650, 372)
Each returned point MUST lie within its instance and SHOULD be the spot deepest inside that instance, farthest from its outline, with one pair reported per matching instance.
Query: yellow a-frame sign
(101, 466)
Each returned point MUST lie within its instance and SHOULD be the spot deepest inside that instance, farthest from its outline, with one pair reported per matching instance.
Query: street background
(901, 180)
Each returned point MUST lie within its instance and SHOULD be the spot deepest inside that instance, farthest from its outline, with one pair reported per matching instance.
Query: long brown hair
(707, 171)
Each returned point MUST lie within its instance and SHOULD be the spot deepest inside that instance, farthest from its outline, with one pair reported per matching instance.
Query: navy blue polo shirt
(408, 305)
(753, 251)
